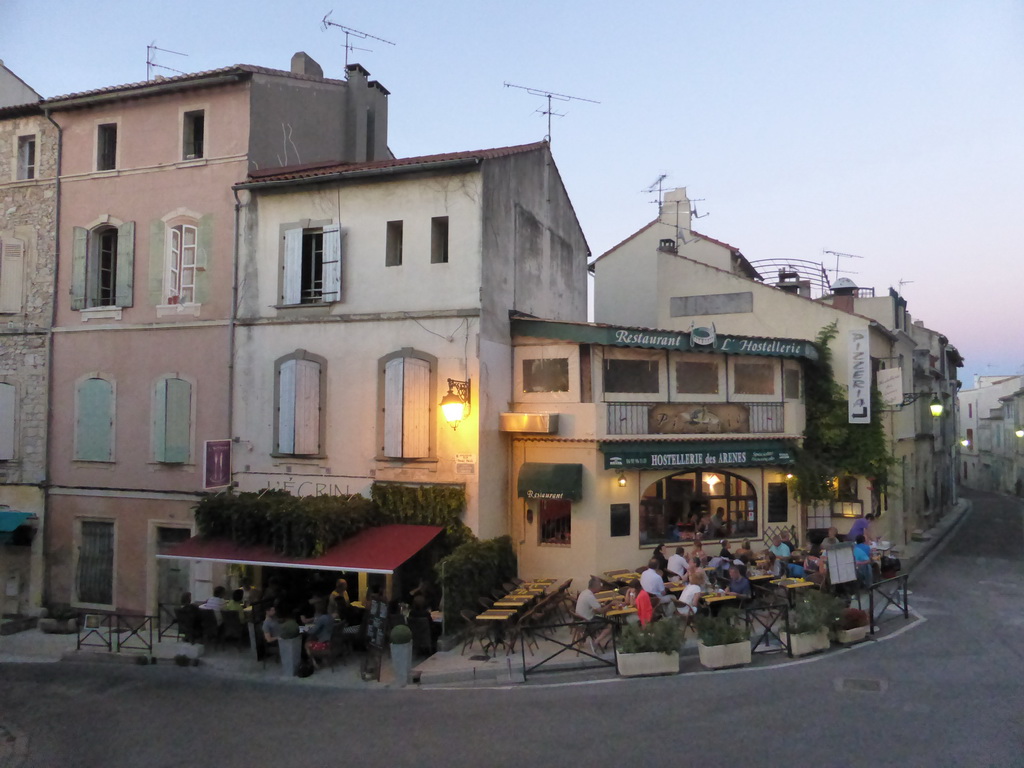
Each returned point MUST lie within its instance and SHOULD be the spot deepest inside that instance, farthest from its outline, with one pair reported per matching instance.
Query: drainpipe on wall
(49, 355)
(232, 322)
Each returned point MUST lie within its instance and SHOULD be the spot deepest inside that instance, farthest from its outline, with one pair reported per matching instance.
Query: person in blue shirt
(862, 560)
(739, 584)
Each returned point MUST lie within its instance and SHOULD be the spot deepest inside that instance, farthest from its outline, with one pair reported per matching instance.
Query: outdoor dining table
(510, 604)
(498, 617)
(624, 578)
(619, 572)
(791, 586)
(609, 594)
(711, 599)
(619, 613)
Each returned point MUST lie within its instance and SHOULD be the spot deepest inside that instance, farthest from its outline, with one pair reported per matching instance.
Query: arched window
(103, 266)
(674, 508)
(94, 419)
(299, 394)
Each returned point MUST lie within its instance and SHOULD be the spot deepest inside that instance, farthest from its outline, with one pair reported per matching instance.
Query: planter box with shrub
(650, 650)
(723, 640)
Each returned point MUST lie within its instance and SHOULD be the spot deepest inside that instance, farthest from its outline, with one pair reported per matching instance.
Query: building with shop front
(368, 293)
(668, 276)
(626, 437)
(28, 200)
(141, 397)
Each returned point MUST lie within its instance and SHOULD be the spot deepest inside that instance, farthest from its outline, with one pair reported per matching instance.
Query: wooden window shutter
(307, 407)
(125, 278)
(178, 414)
(8, 405)
(332, 263)
(204, 251)
(394, 389)
(160, 421)
(80, 250)
(95, 427)
(159, 248)
(12, 275)
(416, 409)
(292, 285)
(286, 408)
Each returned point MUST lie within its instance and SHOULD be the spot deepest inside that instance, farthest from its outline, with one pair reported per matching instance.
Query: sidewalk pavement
(443, 668)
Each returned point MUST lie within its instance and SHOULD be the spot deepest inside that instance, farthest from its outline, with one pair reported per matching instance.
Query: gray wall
(13, 90)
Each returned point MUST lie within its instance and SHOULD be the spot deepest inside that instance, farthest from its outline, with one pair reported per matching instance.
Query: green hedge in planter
(307, 526)
(815, 611)
(473, 570)
(664, 636)
(723, 629)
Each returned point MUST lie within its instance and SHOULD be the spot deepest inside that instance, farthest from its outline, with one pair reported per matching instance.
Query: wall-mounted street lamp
(621, 480)
(935, 406)
(965, 443)
(1019, 432)
(455, 405)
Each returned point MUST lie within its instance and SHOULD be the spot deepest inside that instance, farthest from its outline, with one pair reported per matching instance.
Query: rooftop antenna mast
(350, 32)
(151, 50)
(550, 95)
(838, 256)
(900, 285)
(656, 185)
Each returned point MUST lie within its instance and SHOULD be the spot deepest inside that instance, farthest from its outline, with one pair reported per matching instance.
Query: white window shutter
(416, 409)
(124, 280)
(12, 275)
(286, 408)
(292, 286)
(394, 389)
(80, 249)
(8, 404)
(332, 263)
(307, 407)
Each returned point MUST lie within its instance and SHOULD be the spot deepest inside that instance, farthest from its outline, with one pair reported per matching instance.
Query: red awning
(374, 550)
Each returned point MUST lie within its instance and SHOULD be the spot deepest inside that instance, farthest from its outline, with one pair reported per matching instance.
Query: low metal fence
(577, 641)
(885, 593)
(767, 621)
(116, 632)
(168, 621)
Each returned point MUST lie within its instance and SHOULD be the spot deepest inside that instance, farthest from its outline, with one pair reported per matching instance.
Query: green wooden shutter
(94, 430)
(157, 246)
(204, 258)
(125, 278)
(159, 432)
(178, 432)
(80, 249)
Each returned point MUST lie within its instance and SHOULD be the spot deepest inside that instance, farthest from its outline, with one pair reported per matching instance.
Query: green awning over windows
(551, 481)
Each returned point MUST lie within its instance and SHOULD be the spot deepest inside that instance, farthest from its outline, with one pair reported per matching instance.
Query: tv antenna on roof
(656, 186)
(838, 256)
(349, 31)
(549, 95)
(151, 60)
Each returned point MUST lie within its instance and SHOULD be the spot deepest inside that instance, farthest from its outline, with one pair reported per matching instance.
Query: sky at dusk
(893, 131)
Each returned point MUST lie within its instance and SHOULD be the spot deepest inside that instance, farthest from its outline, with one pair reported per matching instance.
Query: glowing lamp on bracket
(455, 405)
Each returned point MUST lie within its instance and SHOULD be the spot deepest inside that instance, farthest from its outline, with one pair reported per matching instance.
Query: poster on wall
(217, 464)
(859, 377)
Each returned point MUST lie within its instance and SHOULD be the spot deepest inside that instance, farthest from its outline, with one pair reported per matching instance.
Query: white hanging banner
(859, 377)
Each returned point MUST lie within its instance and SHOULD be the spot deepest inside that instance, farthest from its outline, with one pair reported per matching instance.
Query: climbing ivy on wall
(832, 446)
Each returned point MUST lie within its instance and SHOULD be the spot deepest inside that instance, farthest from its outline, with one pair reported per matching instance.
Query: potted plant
(650, 650)
(401, 653)
(810, 622)
(723, 641)
(853, 626)
(289, 643)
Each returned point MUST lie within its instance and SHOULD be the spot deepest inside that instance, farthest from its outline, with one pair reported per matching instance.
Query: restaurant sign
(693, 454)
(696, 339)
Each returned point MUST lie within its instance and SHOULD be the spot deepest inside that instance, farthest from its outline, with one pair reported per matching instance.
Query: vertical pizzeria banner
(858, 366)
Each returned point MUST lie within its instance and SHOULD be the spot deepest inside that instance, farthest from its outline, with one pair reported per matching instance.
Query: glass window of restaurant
(555, 521)
(633, 376)
(671, 508)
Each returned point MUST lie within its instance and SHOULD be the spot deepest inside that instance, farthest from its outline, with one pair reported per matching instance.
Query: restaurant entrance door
(173, 577)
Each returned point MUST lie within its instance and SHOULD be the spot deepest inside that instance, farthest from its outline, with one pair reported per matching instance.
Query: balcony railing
(695, 418)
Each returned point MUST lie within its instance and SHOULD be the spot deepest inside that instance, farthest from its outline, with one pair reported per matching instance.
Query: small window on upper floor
(106, 147)
(393, 247)
(193, 132)
(791, 382)
(181, 264)
(439, 240)
(546, 374)
(754, 378)
(26, 157)
(697, 377)
(631, 376)
(312, 265)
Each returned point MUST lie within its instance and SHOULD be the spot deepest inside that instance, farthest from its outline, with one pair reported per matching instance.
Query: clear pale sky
(890, 130)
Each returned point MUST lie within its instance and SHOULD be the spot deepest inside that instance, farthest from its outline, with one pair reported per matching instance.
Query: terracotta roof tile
(315, 170)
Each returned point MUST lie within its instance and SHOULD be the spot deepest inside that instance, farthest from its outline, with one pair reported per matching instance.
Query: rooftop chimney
(304, 64)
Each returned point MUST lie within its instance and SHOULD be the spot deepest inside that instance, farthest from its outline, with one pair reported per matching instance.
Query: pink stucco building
(143, 321)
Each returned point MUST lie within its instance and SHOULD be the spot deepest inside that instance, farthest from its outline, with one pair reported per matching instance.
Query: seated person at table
(779, 548)
(677, 565)
(745, 551)
(813, 565)
(659, 555)
(338, 604)
(739, 584)
(831, 539)
(588, 607)
(862, 559)
(699, 556)
(686, 604)
(271, 626)
(724, 552)
(775, 565)
(699, 577)
(189, 620)
(236, 604)
(217, 601)
(787, 539)
(320, 627)
(652, 583)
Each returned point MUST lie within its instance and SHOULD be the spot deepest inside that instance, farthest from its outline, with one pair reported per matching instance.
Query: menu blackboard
(377, 628)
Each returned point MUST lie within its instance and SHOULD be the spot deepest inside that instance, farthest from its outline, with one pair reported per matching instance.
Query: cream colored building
(365, 289)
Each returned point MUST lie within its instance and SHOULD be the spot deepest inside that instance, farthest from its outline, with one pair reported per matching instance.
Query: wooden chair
(231, 628)
(187, 629)
(486, 602)
(475, 632)
(211, 628)
(335, 649)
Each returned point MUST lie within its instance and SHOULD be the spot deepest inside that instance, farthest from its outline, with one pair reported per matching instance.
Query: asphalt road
(949, 692)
